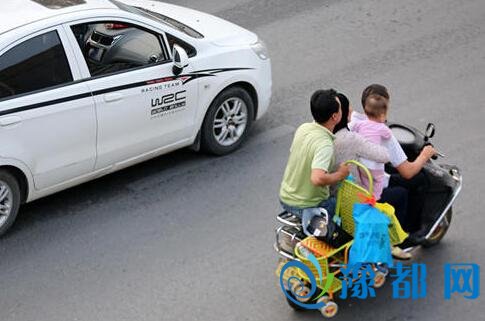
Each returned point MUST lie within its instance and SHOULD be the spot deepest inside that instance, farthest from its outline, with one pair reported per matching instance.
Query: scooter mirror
(429, 131)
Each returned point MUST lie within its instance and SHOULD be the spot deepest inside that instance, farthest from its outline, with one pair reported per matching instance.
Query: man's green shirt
(312, 148)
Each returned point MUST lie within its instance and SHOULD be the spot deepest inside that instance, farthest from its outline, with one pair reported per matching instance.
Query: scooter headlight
(260, 50)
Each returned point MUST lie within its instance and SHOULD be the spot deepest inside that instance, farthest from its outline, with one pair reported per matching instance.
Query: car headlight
(260, 49)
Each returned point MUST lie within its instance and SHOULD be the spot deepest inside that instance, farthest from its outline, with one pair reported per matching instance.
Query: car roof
(16, 13)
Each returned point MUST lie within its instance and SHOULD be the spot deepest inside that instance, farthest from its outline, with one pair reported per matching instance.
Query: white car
(88, 87)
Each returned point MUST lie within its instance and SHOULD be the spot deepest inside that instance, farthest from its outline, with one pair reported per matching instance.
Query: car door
(141, 105)
(47, 117)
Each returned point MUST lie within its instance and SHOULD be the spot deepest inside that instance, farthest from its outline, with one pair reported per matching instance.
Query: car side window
(172, 40)
(110, 47)
(37, 63)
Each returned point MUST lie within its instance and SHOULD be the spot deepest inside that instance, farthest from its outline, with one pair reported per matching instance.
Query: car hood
(216, 30)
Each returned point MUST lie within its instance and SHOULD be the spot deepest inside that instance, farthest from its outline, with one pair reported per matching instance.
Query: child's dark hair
(344, 103)
(374, 89)
(375, 106)
(323, 105)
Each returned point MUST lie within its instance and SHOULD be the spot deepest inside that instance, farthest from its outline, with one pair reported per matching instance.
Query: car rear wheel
(9, 200)
(227, 121)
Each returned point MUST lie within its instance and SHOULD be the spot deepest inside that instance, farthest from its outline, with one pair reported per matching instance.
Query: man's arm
(321, 177)
(409, 169)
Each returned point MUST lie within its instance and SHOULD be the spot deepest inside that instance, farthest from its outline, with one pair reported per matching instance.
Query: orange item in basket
(317, 247)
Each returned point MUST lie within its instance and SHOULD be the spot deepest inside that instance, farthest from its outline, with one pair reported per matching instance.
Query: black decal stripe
(209, 73)
(122, 87)
(192, 76)
(219, 70)
(44, 104)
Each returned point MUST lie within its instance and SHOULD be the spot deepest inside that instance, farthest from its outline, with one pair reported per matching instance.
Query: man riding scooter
(307, 178)
(408, 174)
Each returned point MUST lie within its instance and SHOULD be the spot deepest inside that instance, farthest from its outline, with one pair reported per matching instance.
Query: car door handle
(112, 97)
(8, 121)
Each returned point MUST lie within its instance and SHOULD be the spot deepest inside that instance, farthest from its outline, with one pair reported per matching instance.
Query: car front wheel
(227, 121)
(9, 200)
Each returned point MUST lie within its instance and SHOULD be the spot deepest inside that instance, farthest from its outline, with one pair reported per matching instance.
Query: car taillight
(115, 26)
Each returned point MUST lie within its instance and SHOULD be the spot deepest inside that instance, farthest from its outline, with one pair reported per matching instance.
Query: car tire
(9, 200)
(227, 121)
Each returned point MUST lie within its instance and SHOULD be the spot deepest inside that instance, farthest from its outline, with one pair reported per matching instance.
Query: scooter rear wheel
(440, 231)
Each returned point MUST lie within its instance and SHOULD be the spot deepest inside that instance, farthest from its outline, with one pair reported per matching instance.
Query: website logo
(306, 283)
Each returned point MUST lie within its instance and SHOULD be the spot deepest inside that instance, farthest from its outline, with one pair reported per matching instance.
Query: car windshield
(159, 18)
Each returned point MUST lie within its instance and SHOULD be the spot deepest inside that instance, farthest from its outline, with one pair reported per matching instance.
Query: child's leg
(379, 178)
(364, 181)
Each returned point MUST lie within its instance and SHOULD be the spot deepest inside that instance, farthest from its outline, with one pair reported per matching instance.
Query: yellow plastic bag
(396, 234)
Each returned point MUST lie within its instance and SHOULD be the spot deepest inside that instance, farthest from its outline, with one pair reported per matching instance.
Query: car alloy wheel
(227, 121)
(230, 121)
(6, 202)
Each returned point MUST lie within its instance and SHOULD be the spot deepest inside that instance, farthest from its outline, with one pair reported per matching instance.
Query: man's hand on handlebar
(428, 152)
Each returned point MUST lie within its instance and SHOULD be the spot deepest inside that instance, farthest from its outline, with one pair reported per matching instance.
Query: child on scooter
(376, 131)
(352, 146)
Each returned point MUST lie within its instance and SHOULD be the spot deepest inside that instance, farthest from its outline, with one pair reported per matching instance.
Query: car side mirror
(180, 59)
(429, 131)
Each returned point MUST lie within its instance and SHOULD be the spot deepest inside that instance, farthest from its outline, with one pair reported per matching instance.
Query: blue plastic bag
(371, 236)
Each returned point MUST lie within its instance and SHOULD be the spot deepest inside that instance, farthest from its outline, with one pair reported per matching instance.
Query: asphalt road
(189, 237)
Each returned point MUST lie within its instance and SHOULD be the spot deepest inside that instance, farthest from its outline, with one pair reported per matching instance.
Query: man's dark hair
(374, 89)
(323, 105)
(344, 103)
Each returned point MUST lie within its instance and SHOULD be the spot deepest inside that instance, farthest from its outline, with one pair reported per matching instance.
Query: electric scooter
(444, 183)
